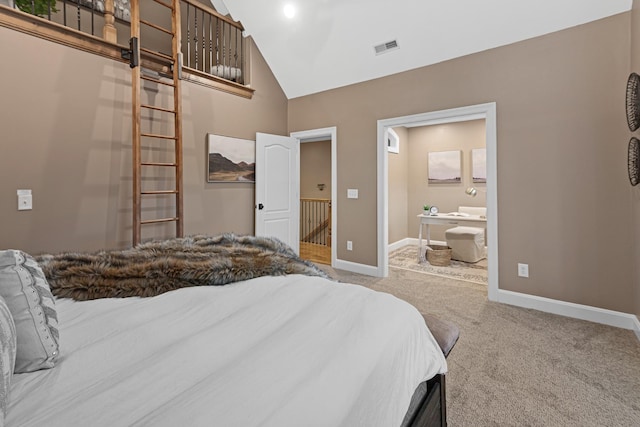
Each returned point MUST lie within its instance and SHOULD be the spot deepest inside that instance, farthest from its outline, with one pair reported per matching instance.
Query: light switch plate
(523, 270)
(352, 193)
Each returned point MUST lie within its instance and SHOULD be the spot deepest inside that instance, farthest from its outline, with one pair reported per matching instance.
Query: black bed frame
(432, 411)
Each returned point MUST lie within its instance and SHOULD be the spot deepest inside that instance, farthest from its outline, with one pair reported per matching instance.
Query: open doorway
(486, 112)
(318, 194)
(315, 201)
(435, 166)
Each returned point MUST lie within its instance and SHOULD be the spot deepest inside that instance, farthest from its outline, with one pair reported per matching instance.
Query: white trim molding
(354, 267)
(548, 305)
(411, 241)
(402, 243)
(569, 309)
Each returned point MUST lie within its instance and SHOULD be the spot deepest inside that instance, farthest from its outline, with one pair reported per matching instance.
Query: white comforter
(272, 351)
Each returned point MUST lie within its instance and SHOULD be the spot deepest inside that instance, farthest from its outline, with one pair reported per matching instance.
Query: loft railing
(49, 9)
(95, 17)
(315, 221)
(212, 44)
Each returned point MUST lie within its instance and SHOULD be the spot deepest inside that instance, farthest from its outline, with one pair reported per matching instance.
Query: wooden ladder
(171, 67)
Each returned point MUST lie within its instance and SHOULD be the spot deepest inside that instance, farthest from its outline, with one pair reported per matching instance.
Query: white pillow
(7, 356)
(27, 294)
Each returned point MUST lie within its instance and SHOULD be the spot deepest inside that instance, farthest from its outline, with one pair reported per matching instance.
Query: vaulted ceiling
(330, 43)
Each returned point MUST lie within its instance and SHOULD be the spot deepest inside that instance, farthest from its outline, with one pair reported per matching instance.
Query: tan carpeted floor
(520, 367)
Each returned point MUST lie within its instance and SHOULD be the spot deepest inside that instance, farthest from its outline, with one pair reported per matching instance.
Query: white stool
(467, 243)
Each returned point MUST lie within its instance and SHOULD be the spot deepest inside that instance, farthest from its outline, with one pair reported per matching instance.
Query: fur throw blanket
(153, 268)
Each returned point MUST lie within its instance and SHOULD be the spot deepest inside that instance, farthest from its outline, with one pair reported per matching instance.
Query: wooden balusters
(109, 31)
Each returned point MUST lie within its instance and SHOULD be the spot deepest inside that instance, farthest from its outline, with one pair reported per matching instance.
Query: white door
(277, 188)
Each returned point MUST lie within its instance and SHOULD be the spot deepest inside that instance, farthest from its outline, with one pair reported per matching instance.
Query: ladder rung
(164, 4)
(158, 54)
(158, 164)
(159, 192)
(151, 79)
(152, 107)
(155, 221)
(157, 27)
(153, 135)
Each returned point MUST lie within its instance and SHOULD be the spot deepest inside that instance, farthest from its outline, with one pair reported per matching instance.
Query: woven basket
(439, 255)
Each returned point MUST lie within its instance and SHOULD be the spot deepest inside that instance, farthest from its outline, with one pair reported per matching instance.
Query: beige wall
(462, 136)
(66, 132)
(315, 168)
(635, 191)
(399, 188)
(561, 155)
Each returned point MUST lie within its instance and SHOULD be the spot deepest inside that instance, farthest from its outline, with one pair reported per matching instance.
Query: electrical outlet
(523, 270)
(349, 245)
(25, 200)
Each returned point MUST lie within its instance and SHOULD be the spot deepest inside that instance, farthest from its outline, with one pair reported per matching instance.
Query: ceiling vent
(386, 47)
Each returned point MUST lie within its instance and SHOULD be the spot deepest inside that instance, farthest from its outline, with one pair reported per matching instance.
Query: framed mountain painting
(230, 159)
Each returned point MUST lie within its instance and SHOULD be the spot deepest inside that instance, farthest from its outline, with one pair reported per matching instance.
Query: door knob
(260, 206)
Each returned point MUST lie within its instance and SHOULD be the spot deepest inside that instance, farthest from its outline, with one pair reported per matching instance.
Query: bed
(290, 348)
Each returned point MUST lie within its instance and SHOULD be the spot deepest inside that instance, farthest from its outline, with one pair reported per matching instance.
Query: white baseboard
(354, 267)
(411, 241)
(402, 243)
(548, 305)
(577, 311)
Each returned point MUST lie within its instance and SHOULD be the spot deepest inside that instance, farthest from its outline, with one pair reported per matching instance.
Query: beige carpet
(520, 367)
(407, 258)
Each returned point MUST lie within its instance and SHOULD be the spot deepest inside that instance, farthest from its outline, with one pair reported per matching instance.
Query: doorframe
(323, 134)
(485, 111)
